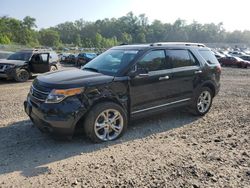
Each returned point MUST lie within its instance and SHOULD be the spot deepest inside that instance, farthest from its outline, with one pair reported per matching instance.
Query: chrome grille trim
(45, 93)
(42, 100)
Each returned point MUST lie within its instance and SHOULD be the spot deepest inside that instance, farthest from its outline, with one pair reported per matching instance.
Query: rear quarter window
(209, 57)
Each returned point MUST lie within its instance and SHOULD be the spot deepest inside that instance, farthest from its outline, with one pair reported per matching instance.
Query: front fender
(115, 91)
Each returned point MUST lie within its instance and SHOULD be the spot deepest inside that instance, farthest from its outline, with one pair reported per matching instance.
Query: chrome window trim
(162, 105)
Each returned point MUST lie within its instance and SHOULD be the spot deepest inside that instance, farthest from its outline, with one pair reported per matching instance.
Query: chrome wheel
(108, 125)
(204, 101)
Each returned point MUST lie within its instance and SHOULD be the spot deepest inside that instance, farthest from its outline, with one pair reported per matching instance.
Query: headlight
(10, 66)
(57, 95)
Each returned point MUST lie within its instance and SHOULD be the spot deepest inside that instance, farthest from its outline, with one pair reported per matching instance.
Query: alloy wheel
(108, 125)
(204, 101)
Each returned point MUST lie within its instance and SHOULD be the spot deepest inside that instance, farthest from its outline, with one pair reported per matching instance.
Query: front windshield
(24, 56)
(111, 61)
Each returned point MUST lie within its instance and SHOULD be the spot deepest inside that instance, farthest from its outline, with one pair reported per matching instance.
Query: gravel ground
(174, 149)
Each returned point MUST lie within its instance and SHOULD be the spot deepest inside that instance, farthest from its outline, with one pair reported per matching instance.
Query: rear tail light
(218, 68)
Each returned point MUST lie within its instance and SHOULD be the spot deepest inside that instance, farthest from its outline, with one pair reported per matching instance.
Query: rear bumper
(48, 117)
(217, 89)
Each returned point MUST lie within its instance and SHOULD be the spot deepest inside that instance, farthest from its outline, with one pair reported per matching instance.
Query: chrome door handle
(164, 78)
(198, 72)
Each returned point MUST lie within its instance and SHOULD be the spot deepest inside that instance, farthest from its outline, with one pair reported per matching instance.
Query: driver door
(151, 87)
(40, 63)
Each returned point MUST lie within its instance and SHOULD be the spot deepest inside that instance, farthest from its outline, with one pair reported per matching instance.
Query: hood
(12, 62)
(73, 78)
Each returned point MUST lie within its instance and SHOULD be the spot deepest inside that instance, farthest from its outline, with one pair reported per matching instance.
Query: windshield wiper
(90, 69)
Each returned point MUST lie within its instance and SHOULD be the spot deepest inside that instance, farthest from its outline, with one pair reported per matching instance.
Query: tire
(202, 102)
(22, 75)
(99, 126)
(53, 68)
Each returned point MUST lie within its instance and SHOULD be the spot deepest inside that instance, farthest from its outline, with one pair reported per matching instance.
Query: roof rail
(178, 43)
(42, 49)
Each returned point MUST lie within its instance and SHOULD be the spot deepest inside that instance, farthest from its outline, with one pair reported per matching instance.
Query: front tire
(22, 75)
(202, 102)
(105, 122)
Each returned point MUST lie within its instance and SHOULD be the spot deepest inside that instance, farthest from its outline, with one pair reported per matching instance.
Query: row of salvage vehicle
(21, 65)
(233, 59)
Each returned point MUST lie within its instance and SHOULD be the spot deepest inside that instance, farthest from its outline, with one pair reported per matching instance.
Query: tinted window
(208, 56)
(180, 58)
(153, 61)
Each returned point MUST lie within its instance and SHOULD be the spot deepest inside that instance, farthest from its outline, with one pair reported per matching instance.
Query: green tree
(49, 37)
(29, 22)
(4, 39)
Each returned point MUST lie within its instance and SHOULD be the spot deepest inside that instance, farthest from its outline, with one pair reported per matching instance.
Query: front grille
(37, 85)
(2, 68)
(39, 94)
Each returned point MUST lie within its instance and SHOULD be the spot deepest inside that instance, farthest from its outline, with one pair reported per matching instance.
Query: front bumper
(8, 73)
(58, 118)
(3, 75)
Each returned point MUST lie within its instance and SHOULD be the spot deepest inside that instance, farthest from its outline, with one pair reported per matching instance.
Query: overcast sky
(233, 14)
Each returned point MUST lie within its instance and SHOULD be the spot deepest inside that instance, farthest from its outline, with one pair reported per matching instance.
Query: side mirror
(138, 72)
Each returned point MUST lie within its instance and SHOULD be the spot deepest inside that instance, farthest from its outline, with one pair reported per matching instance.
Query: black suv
(123, 83)
(21, 65)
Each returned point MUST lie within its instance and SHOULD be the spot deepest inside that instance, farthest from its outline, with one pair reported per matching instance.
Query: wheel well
(210, 86)
(101, 100)
(53, 65)
(22, 68)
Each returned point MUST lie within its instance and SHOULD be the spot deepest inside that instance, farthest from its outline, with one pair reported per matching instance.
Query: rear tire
(202, 102)
(105, 122)
(53, 68)
(22, 75)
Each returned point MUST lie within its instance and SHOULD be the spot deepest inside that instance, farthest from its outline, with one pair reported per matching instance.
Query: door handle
(164, 78)
(144, 75)
(198, 72)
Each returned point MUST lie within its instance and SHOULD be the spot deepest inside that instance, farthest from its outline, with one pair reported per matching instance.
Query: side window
(44, 58)
(208, 56)
(153, 61)
(180, 58)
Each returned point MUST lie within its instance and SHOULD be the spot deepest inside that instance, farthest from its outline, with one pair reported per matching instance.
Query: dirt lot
(170, 150)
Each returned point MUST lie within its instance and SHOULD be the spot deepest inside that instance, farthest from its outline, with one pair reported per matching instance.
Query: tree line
(109, 32)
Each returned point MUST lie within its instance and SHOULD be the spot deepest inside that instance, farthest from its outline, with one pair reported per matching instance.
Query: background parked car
(236, 53)
(62, 56)
(218, 55)
(71, 58)
(21, 65)
(234, 61)
(84, 58)
(245, 57)
(4, 54)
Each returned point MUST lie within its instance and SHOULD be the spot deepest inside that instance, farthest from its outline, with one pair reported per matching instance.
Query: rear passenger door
(185, 73)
